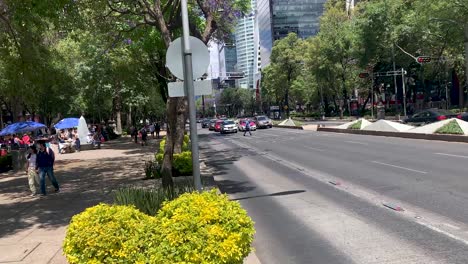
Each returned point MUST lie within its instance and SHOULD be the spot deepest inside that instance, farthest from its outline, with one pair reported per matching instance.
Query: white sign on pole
(176, 89)
(200, 58)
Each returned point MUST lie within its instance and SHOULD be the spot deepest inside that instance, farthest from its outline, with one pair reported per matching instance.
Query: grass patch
(356, 125)
(452, 128)
(149, 201)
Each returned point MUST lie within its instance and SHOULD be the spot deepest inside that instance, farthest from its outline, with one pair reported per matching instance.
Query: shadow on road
(270, 195)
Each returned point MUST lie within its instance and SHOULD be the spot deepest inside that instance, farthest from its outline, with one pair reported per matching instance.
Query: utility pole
(190, 92)
(372, 95)
(462, 94)
(404, 90)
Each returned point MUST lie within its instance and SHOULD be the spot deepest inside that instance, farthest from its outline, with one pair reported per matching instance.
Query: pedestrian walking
(45, 165)
(134, 134)
(144, 135)
(152, 129)
(33, 178)
(247, 127)
(157, 128)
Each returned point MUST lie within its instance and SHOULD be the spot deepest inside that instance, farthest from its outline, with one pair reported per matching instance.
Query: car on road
(241, 125)
(217, 125)
(205, 123)
(463, 116)
(212, 124)
(263, 122)
(429, 116)
(228, 126)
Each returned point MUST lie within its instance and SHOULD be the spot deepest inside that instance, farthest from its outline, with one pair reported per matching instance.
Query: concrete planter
(450, 138)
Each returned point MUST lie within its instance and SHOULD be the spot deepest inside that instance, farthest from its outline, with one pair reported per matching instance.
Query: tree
(207, 19)
(285, 67)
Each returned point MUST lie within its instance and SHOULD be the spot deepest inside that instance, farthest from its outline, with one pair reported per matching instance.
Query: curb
(289, 127)
(252, 259)
(449, 138)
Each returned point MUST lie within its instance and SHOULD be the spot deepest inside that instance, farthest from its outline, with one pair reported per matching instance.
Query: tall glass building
(246, 45)
(278, 18)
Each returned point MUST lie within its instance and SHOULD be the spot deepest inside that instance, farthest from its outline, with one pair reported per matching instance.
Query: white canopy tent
(83, 131)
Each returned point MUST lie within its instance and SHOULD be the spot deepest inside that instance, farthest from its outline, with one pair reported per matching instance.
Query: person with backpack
(247, 127)
(45, 165)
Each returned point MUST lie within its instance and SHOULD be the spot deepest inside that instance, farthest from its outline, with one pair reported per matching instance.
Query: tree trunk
(118, 121)
(182, 113)
(129, 117)
(117, 103)
(166, 166)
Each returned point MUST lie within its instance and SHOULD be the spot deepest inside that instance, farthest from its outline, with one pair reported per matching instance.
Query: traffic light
(423, 59)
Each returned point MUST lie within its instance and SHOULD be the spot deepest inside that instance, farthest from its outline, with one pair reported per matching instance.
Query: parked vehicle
(241, 125)
(228, 126)
(263, 122)
(429, 116)
(205, 123)
(211, 126)
(463, 116)
(217, 126)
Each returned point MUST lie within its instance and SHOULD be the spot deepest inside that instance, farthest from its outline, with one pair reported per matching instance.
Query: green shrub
(152, 170)
(149, 201)
(356, 125)
(159, 157)
(451, 128)
(182, 163)
(162, 144)
(110, 234)
(203, 228)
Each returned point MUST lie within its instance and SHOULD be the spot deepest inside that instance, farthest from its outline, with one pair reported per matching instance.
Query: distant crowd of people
(153, 129)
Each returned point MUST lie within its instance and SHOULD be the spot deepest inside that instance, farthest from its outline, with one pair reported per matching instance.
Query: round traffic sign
(200, 58)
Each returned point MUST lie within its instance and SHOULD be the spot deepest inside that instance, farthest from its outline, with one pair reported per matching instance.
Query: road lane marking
(431, 220)
(357, 142)
(452, 155)
(399, 167)
(312, 148)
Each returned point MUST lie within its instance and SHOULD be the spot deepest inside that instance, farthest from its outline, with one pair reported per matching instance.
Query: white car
(228, 126)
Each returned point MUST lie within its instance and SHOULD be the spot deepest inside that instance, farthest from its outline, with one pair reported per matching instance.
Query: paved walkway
(32, 229)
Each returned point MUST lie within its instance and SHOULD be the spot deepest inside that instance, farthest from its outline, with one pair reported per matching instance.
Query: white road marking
(452, 226)
(452, 155)
(399, 167)
(357, 142)
(312, 148)
(431, 220)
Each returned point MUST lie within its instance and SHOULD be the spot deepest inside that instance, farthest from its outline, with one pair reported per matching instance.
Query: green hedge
(356, 125)
(451, 128)
(194, 228)
(182, 162)
(109, 234)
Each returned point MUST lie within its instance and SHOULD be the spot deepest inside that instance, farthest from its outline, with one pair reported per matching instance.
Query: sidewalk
(32, 228)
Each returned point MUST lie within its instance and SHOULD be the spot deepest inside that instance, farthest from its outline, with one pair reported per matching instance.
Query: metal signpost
(179, 58)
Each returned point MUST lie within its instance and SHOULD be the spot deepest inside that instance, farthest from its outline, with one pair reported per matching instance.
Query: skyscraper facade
(245, 45)
(278, 18)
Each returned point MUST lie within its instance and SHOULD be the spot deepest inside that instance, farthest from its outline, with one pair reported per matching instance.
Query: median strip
(399, 167)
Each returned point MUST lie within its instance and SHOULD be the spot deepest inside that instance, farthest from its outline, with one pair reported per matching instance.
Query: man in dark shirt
(45, 165)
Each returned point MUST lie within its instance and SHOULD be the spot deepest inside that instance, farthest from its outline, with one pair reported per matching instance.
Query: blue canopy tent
(66, 123)
(21, 127)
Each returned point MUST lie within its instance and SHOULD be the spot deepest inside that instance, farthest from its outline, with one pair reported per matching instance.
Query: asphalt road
(282, 177)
